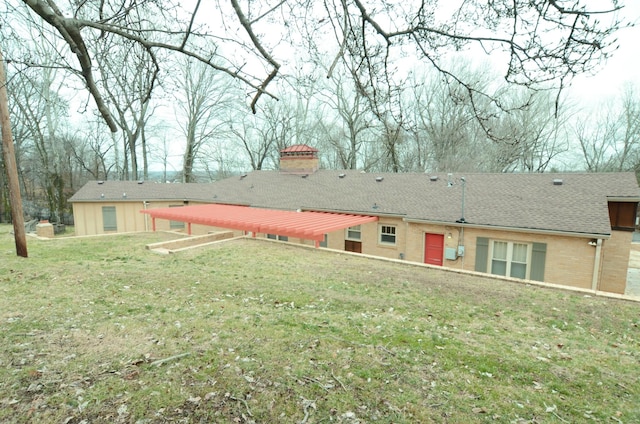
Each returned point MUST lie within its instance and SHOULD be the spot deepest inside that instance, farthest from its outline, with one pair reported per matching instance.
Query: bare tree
(262, 136)
(628, 146)
(346, 120)
(129, 91)
(203, 104)
(610, 139)
(444, 129)
(375, 34)
(92, 151)
(528, 138)
(42, 112)
(541, 41)
(155, 27)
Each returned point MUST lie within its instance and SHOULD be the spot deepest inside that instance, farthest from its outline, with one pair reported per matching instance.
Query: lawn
(100, 330)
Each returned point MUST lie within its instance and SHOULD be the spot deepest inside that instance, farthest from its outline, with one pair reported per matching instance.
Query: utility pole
(10, 165)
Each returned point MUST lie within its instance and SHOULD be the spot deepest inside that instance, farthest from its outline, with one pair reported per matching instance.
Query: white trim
(630, 199)
(394, 234)
(353, 228)
(509, 258)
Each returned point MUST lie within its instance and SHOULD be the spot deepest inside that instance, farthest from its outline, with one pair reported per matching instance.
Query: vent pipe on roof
(449, 180)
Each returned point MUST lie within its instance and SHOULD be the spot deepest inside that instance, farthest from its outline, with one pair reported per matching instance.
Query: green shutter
(538, 257)
(482, 254)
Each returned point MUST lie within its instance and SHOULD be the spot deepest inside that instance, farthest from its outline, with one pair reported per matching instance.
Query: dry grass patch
(101, 330)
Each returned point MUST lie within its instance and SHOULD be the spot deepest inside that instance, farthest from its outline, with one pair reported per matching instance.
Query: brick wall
(615, 261)
(299, 165)
(569, 260)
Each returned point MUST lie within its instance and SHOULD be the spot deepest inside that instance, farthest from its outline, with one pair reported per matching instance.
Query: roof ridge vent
(558, 181)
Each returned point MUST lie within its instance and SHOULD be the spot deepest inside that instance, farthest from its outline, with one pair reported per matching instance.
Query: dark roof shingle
(528, 201)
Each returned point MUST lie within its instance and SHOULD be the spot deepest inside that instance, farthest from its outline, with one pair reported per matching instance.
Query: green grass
(262, 332)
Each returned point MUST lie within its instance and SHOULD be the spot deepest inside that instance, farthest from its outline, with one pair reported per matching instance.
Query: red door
(433, 248)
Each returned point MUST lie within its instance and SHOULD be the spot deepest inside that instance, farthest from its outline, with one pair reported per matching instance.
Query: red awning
(305, 225)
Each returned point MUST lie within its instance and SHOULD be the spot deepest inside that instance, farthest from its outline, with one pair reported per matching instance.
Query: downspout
(596, 265)
(406, 237)
(461, 243)
(146, 217)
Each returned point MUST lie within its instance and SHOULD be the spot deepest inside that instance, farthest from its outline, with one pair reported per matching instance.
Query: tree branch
(71, 34)
(256, 42)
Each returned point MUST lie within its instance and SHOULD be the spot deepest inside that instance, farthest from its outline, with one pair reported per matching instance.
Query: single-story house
(572, 229)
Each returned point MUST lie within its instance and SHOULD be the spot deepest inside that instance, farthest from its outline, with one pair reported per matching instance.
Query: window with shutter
(512, 259)
(482, 254)
(538, 261)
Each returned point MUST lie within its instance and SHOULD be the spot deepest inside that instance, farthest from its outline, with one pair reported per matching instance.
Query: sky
(622, 67)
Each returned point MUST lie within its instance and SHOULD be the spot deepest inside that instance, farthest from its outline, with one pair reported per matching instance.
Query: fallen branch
(306, 404)
(559, 417)
(160, 362)
(246, 405)
(338, 380)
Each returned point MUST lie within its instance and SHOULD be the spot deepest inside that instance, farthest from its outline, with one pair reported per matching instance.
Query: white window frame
(509, 259)
(350, 233)
(385, 230)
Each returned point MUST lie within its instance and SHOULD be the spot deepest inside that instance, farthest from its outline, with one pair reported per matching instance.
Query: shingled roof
(569, 203)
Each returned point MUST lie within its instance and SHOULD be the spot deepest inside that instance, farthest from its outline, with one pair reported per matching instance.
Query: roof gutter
(512, 229)
(623, 199)
(347, 212)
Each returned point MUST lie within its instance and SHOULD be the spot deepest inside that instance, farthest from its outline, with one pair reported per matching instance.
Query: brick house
(572, 229)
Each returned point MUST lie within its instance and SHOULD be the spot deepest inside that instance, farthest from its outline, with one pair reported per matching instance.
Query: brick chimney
(299, 159)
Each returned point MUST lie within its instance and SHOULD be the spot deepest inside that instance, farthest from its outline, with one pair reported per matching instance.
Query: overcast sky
(623, 66)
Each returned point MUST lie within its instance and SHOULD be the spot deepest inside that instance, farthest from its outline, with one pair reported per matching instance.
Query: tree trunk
(11, 167)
